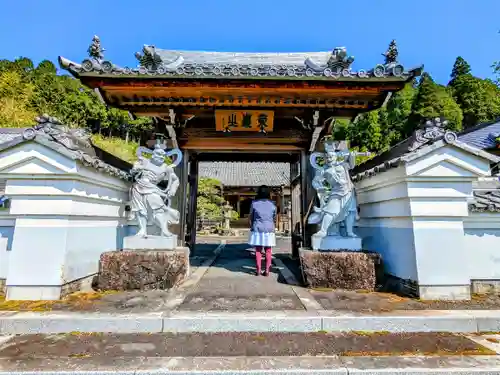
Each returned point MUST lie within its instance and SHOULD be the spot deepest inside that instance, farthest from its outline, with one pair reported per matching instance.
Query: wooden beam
(242, 91)
(192, 204)
(222, 83)
(314, 138)
(183, 176)
(99, 94)
(163, 107)
(217, 144)
(303, 196)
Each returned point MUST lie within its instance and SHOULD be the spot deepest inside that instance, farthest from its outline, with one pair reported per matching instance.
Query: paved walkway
(230, 284)
(245, 353)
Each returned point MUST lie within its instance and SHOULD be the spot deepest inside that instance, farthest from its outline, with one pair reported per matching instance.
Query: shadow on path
(230, 284)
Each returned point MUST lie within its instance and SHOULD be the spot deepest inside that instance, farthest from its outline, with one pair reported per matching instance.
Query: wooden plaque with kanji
(241, 120)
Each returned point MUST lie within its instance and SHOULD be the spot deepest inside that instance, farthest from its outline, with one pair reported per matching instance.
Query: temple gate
(218, 106)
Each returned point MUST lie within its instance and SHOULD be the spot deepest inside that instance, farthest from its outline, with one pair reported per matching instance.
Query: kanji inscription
(250, 121)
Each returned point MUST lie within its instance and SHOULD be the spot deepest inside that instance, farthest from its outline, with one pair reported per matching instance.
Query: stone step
(393, 365)
(251, 321)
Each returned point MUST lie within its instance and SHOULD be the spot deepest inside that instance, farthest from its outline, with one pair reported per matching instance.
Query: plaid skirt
(262, 239)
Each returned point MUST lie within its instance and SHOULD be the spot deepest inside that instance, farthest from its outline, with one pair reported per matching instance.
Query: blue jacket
(262, 216)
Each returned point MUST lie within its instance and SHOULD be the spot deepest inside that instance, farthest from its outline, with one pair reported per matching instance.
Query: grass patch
(437, 353)
(322, 289)
(74, 300)
(370, 333)
(117, 147)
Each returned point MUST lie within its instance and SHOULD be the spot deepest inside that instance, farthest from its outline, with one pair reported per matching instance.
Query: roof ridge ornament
(53, 128)
(95, 50)
(431, 131)
(151, 60)
(339, 59)
(75, 141)
(391, 65)
(392, 53)
(337, 63)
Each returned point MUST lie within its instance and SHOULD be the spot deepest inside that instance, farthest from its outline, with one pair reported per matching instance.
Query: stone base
(444, 292)
(33, 293)
(349, 270)
(336, 243)
(143, 270)
(486, 287)
(150, 243)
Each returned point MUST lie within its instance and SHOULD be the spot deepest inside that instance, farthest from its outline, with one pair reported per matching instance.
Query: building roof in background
(247, 174)
(482, 136)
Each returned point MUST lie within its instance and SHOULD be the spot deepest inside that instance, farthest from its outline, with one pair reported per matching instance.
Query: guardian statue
(148, 200)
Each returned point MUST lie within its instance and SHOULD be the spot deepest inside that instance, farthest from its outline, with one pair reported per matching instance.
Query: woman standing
(262, 218)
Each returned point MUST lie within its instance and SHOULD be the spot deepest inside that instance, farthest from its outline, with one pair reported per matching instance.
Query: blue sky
(429, 32)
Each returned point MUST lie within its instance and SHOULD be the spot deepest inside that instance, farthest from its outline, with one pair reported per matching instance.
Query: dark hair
(263, 192)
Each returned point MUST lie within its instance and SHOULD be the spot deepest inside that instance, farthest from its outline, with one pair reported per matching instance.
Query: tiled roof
(486, 195)
(485, 201)
(327, 65)
(246, 174)
(431, 136)
(482, 136)
(72, 143)
(8, 134)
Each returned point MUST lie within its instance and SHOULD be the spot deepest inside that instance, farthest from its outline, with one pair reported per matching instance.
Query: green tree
(399, 109)
(26, 91)
(209, 199)
(460, 68)
(496, 70)
(478, 98)
(433, 101)
(15, 97)
(366, 132)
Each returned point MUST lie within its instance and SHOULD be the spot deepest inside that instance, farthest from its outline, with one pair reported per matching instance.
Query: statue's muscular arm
(137, 168)
(173, 181)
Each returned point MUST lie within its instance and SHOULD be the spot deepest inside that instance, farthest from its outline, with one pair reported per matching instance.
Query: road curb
(250, 321)
(483, 365)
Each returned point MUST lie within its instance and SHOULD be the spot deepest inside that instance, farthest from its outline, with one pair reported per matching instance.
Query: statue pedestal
(143, 270)
(348, 270)
(336, 243)
(150, 243)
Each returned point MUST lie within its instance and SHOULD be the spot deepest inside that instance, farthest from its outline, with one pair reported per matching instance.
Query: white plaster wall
(66, 215)
(482, 246)
(4, 258)
(447, 162)
(393, 239)
(417, 217)
(33, 158)
(385, 223)
(86, 241)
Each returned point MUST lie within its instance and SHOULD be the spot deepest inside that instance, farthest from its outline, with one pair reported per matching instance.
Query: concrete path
(230, 284)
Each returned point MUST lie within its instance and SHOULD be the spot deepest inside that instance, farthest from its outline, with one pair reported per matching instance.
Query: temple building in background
(240, 181)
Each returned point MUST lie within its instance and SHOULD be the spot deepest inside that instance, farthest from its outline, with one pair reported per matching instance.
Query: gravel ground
(380, 302)
(239, 344)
